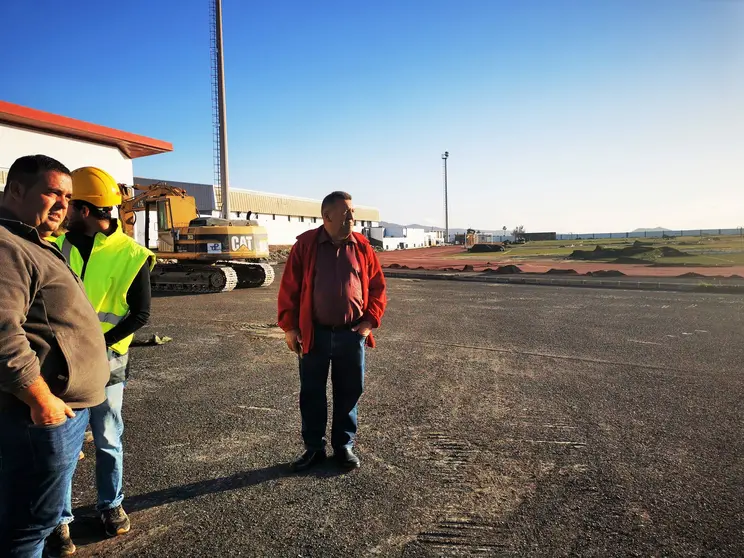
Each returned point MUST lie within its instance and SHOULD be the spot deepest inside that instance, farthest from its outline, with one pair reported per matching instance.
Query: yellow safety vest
(112, 266)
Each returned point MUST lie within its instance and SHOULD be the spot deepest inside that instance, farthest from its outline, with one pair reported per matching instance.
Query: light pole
(445, 155)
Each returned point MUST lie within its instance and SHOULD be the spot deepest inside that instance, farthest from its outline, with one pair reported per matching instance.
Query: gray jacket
(47, 325)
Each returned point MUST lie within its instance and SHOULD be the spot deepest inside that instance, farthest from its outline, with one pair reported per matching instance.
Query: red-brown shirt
(337, 286)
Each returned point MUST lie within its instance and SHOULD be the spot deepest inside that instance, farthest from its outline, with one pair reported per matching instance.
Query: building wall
(434, 238)
(17, 142)
(412, 238)
(284, 229)
(537, 236)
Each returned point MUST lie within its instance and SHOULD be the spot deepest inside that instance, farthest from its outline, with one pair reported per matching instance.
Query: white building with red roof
(27, 131)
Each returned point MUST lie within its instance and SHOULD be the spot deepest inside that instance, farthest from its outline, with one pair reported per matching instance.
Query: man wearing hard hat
(115, 271)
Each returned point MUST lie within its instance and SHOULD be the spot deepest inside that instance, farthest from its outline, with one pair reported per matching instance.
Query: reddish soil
(442, 258)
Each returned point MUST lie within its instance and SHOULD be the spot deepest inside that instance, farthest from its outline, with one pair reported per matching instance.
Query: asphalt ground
(498, 420)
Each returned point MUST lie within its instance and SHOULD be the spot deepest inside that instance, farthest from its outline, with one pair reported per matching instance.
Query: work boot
(59, 544)
(307, 460)
(346, 459)
(115, 521)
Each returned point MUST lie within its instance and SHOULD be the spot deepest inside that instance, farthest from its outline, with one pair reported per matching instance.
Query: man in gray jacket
(53, 364)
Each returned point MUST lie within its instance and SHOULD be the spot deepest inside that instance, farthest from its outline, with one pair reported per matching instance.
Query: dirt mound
(554, 271)
(482, 248)
(638, 252)
(669, 252)
(394, 266)
(601, 253)
(690, 275)
(504, 270)
(468, 268)
(605, 273)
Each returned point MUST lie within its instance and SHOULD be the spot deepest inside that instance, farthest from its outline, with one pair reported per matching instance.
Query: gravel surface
(498, 420)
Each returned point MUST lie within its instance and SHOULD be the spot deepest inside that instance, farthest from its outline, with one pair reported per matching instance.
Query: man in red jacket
(331, 296)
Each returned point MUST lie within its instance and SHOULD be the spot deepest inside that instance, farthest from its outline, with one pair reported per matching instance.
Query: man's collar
(8, 215)
(325, 237)
(15, 225)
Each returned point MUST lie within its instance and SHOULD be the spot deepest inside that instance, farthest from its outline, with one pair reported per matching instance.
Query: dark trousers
(343, 351)
(36, 468)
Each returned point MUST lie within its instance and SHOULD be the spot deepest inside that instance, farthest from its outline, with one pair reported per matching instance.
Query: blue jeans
(343, 351)
(36, 467)
(107, 426)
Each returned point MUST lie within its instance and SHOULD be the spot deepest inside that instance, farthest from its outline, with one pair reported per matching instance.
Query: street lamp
(446, 213)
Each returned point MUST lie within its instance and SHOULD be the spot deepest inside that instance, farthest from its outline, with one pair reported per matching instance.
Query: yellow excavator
(196, 254)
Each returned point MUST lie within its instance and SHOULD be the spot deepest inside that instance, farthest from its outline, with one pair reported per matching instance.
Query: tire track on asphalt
(557, 357)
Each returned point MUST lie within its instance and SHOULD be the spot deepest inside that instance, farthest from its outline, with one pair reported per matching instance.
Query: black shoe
(307, 460)
(59, 544)
(115, 521)
(346, 459)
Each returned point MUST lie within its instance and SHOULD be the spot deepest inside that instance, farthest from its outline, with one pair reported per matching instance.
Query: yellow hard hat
(95, 186)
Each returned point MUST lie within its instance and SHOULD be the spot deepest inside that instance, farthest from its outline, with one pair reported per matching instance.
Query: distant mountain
(655, 229)
(427, 227)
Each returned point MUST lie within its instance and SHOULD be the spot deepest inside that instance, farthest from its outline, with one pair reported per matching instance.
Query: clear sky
(558, 115)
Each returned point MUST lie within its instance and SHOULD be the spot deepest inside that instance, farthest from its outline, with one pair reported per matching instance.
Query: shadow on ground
(87, 528)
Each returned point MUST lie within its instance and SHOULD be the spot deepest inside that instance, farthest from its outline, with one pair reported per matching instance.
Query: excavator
(196, 254)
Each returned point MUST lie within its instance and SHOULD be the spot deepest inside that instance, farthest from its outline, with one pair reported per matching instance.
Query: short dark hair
(332, 198)
(26, 170)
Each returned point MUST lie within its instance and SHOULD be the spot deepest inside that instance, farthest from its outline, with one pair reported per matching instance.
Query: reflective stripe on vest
(67, 249)
(109, 318)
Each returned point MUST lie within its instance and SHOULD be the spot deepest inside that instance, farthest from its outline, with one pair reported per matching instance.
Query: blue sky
(558, 114)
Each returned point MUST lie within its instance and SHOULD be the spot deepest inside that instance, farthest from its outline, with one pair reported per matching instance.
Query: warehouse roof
(278, 204)
(132, 145)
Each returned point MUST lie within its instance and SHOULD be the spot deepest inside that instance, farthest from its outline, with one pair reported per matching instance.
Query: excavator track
(252, 275)
(184, 278)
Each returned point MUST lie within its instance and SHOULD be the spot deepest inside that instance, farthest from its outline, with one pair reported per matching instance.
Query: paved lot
(498, 420)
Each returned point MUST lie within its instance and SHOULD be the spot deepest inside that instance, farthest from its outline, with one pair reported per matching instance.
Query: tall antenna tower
(219, 111)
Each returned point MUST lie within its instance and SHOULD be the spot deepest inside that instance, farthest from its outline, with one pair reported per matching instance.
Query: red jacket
(296, 289)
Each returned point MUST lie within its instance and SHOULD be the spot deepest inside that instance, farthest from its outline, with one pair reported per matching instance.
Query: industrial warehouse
(284, 217)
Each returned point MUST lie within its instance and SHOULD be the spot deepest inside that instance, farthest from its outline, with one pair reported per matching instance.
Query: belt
(344, 327)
